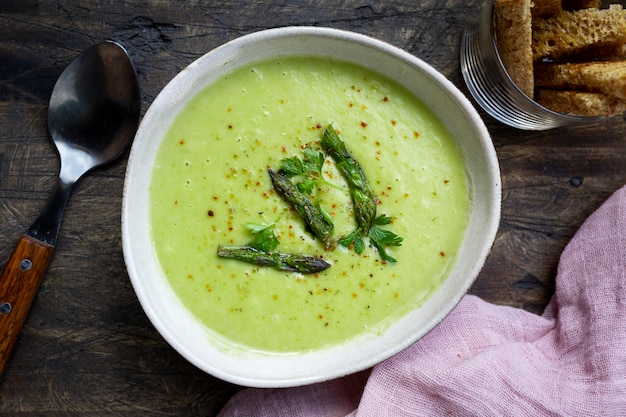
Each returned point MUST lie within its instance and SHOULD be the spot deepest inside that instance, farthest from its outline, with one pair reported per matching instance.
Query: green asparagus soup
(210, 187)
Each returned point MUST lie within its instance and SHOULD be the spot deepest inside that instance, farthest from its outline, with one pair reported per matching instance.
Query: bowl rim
(259, 369)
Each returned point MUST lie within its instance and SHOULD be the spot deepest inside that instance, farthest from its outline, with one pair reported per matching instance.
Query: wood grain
(87, 348)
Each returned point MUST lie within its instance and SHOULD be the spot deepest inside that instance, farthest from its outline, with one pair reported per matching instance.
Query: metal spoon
(92, 117)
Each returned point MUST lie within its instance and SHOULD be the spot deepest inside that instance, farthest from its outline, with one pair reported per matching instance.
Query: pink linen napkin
(490, 360)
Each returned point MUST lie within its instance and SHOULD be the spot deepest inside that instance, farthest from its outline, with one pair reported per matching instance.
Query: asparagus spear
(316, 220)
(284, 262)
(362, 197)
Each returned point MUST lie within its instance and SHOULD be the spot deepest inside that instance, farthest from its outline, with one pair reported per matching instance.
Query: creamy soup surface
(210, 180)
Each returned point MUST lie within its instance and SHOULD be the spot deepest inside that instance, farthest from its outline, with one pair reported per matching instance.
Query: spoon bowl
(92, 117)
(94, 108)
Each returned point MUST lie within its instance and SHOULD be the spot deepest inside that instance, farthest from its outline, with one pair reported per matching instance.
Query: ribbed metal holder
(492, 87)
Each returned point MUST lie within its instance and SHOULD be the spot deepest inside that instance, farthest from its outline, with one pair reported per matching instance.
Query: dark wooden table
(87, 348)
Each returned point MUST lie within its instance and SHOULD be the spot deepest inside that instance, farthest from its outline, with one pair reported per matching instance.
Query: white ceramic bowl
(177, 325)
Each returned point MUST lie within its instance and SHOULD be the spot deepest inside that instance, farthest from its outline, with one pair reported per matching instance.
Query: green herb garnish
(295, 179)
(265, 240)
(309, 168)
(353, 238)
(380, 238)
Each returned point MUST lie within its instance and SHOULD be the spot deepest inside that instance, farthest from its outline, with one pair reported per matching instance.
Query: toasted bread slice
(545, 8)
(603, 77)
(580, 103)
(513, 29)
(571, 5)
(573, 32)
(613, 52)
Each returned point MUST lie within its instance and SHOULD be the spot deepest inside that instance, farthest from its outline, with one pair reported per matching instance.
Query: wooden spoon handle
(18, 286)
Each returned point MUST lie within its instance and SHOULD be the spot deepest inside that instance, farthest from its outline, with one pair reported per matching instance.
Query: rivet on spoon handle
(18, 286)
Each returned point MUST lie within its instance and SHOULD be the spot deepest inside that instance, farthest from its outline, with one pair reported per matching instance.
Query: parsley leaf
(309, 168)
(385, 237)
(380, 238)
(359, 245)
(306, 186)
(382, 252)
(348, 239)
(353, 238)
(382, 220)
(265, 240)
(313, 160)
(290, 167)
